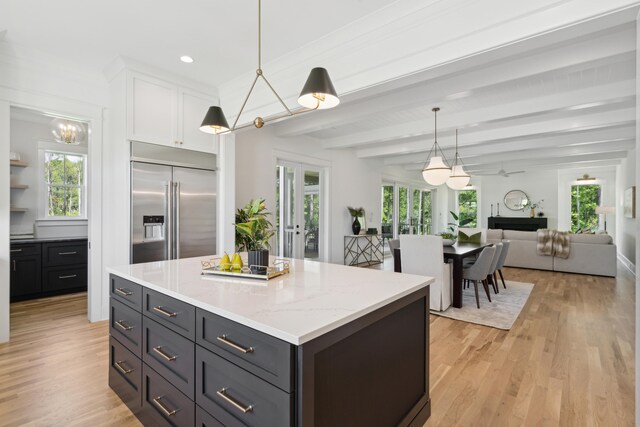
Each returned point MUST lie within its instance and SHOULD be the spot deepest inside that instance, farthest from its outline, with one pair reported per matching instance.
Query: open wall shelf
(19, 186)
(18, 163)
(19, 209)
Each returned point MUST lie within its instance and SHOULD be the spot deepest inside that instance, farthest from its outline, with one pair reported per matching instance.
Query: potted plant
(449, 238)
(355, 214)
(253, 232)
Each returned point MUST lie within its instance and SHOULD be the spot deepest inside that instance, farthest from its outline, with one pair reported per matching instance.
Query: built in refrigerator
(173, 203)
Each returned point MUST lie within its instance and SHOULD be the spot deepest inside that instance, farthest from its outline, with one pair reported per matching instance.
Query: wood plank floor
(568, 361)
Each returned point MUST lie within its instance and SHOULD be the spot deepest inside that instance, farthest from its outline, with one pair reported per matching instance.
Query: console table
(517, 223)
(363, 250)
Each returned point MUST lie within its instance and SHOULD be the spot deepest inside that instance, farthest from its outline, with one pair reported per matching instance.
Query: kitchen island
(325, 345)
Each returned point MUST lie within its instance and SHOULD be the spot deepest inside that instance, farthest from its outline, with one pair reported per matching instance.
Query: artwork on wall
(630, 202)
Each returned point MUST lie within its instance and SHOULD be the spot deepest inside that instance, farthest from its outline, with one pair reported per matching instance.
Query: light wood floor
(568, 361)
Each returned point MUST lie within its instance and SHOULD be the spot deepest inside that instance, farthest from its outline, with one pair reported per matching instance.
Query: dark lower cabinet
(162, 403)
(40, 269)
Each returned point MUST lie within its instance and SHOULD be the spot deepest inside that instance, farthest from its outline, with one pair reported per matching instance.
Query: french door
(299, 216)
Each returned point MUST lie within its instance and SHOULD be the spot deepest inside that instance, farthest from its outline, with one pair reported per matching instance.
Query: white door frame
(93, 115)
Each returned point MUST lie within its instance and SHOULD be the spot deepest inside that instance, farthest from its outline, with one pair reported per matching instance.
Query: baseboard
(625, 261)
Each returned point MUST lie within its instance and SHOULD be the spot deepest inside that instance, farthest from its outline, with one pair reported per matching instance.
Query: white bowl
(448, 242)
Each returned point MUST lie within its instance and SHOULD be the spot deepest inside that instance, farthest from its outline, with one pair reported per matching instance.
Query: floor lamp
(604, 210)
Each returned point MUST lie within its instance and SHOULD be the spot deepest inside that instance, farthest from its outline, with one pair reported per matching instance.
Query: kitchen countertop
(47, 240)
(313, 299)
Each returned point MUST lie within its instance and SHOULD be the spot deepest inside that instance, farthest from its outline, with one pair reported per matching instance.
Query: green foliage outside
(418, 214)
(387, 204)
(253, 229)
(311, 201)
(403, 210)
(468, 208)
(64, 176)
(584, 200)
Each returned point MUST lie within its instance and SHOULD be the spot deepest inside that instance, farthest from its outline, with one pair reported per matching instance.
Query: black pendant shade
(318, 92)
(214, 122)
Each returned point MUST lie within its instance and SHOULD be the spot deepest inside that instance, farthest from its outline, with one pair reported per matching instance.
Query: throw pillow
(474, 238)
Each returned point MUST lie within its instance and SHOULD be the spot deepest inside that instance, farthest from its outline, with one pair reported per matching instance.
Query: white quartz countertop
(313, 299)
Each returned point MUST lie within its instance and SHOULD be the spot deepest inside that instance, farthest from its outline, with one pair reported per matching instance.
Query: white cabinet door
(152, 111)
(192, 108)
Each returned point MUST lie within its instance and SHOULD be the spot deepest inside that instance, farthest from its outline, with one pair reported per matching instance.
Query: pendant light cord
(434, 148)
(259, 34)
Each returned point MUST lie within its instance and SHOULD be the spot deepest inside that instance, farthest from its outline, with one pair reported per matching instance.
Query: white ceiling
(562, 100)
(221, 35)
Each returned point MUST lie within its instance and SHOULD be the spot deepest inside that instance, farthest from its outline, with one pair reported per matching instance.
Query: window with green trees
(468, 207)
(387, 211)
(584, 200)
(64, 180)
(403, 210)
(421, 213)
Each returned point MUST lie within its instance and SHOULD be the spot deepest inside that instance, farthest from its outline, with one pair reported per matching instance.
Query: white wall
(542, 185)
(353, 182)
(626, 227)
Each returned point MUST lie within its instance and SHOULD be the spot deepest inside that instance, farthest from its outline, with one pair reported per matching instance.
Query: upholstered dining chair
(393, 244)
(503, 257)
(494, 265)
(423, 255)
(479, 271)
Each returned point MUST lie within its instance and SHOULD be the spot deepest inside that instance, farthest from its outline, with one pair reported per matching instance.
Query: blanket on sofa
(554, 243)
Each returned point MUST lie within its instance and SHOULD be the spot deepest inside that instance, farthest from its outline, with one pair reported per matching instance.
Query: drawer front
(55, 254)
(63, 278)
(176, 315)
(125, 375)
(126, 291)
(265, 356)
(26, 249)
(170, 354)
(25, 276)
(163, 404)
(126, 325)
(203, 419)
(234, 396)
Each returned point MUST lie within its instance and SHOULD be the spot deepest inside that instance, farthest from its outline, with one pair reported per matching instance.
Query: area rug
(500, 313)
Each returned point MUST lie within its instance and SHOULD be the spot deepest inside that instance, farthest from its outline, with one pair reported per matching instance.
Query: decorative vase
(533, 213)
(355, 227)
(257, 260)
(448, 242)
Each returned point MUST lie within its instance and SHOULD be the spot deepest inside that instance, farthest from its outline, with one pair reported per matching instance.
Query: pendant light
(317, 93)
(459, 178)
(436, 171)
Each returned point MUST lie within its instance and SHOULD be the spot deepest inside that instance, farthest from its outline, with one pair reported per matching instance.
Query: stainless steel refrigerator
(173, 203)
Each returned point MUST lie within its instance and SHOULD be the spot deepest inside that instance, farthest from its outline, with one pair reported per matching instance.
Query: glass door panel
(311, 214)
(286, 217)
(404, 220)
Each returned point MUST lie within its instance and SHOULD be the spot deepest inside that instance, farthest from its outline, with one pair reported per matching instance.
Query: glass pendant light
(68, 132)
(459, 178)
(436, 171)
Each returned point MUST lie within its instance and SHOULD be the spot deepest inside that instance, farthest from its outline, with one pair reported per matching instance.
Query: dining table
(456, 253)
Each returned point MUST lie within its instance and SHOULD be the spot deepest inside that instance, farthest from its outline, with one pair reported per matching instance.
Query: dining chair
(423, 255)
(479, 271)
(494, 264)
(503, 257)
(393, 244)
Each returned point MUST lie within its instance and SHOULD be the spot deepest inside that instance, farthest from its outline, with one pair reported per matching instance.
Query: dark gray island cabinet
(176, 363)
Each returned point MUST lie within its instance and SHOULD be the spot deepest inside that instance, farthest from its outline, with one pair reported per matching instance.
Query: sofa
(593, 254)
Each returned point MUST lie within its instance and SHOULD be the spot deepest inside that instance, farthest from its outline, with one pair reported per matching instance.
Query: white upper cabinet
(159, 112)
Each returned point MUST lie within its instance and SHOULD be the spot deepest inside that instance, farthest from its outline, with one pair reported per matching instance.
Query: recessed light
(186, 59)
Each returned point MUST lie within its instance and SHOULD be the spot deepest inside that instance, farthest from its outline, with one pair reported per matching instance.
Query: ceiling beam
(611, 46)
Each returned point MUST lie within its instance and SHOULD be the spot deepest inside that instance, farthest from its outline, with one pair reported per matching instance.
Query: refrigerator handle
(176, 207)
(168, 225)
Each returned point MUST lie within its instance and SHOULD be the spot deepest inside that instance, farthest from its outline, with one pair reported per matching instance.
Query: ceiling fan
(502, 172)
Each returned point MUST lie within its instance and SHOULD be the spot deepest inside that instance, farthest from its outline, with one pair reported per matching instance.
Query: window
(421, 215)
(387, 211)
(584, 200)
(468, 207)
(403, 211)
(65, 190)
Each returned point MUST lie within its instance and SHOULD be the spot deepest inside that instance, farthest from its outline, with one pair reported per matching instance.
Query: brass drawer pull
(71, 276)
(124, 292)
(162, 353)
(123, 325)
(67, 253)
(161, 310)
(16, 250)
(231, 344)
(159, 404)
(122, 369)
(244, 408)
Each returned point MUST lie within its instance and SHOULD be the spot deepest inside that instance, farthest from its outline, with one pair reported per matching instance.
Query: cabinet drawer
(126, 325)
(163, 404)
(230, 393)
(62, 278)
(175, 315)
(25, 249)
(126, 291)
(265, 356)
(204, 419)
(170, 354)
(125, 375)
(55, 254)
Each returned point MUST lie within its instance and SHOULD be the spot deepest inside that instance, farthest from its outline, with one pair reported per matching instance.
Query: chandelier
(68, 131)
(436, 170)
(318, 93)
